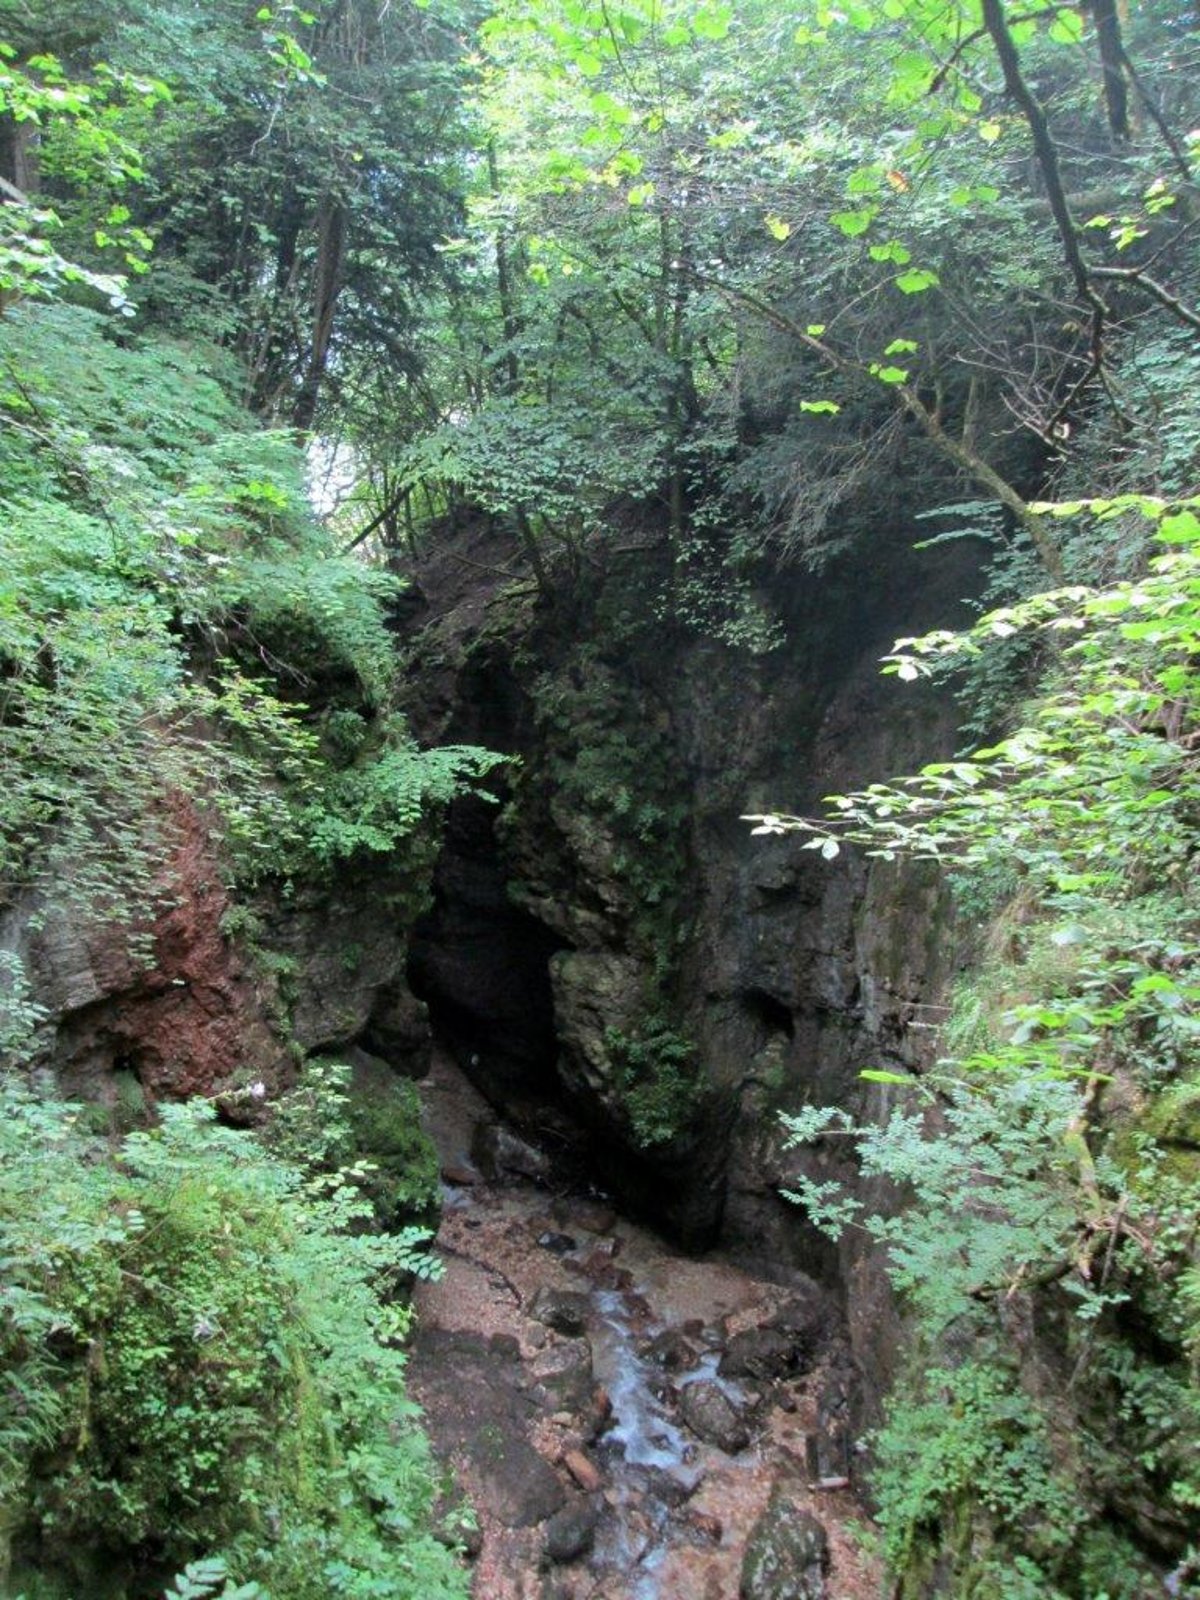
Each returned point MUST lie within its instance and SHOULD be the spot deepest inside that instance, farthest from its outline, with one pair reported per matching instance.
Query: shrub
(196, 1363)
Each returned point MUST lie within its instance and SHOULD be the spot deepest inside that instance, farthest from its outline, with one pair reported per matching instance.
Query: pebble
(585, 1472)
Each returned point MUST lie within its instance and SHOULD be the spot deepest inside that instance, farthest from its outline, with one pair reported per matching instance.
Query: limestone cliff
(612, 940)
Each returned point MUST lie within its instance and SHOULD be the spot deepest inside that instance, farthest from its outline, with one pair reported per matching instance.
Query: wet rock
(670, 1351)
(761, 1354)
(558, 1244)
(671, 1487)
(562, 1375)
(500, 1155)
(599, 1268)
(712, 1416)
(703, 1527)
(564, 1310)
(571, 1532)
(806, 1319)
(787, 1554)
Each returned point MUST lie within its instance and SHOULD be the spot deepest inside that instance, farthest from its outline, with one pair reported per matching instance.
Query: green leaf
(901, 347)
(917, 280)
(712, 22)
(1181, 527)
(1067, 27)
(852, 223)
(826, 408)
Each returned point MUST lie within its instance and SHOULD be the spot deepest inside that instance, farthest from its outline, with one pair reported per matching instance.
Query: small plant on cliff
(371, 1139)
(167, 604)
(655, 1071)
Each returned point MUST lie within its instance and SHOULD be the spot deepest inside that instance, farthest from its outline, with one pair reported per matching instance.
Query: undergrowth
(1046, 1439)
(199, 1349)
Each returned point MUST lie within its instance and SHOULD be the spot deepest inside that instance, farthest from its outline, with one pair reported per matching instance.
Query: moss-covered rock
(384, 1114)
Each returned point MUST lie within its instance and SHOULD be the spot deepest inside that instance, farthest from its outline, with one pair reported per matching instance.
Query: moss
(1174, 1117)
(385, 1120)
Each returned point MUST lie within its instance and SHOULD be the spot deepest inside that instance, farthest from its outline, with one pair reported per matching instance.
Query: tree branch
(957, 450)
(1137, 278)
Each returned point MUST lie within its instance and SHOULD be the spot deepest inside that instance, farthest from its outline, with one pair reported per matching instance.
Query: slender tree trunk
(327, 284)
(1116, 92)
(19, 155)
(504, 285)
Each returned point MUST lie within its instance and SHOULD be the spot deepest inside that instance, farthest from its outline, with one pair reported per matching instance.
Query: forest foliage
(783, 291)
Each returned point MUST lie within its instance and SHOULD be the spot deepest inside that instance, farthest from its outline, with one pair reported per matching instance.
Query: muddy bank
(621, 1416)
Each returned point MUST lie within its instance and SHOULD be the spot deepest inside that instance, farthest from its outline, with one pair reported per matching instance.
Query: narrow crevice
(482, 966)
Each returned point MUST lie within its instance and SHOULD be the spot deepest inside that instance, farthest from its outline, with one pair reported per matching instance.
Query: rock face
(473, 1383)
(713, 1417)
(218, 995)
(189, 1018)
(671, 982)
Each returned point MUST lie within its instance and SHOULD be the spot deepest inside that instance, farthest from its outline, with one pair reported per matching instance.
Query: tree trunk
(327, 284)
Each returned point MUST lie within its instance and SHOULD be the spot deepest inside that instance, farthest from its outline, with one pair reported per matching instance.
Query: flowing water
(547, 1427)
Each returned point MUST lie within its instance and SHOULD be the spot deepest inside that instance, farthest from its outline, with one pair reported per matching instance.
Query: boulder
(760, 1354)
(583, 1470)
(787, 1554)
(502, 1155)
(564, 1310)
(562, 1376)
(671, 1351)
(712, 1416)
(571, 1532)
(558, 1244)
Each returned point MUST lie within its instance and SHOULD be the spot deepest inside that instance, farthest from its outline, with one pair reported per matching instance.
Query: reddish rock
(705, 1526)
(190, 1022)
(585, 1472)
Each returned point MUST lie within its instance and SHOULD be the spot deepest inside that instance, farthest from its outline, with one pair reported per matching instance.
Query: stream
(620, 1418)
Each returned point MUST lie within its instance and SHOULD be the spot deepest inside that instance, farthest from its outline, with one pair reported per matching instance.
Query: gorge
(599, 961)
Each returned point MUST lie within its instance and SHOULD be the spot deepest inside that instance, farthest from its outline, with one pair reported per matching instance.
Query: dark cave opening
(771, 1012)
(482, 966)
